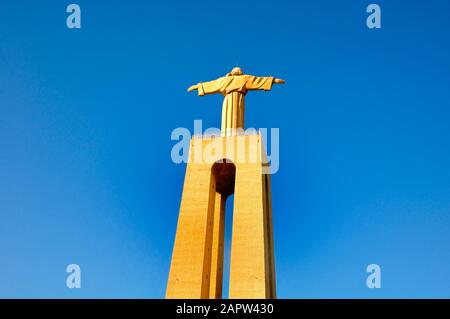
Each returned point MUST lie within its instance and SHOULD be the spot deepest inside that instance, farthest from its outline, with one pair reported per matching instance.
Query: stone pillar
(191, 258)
(197, 262)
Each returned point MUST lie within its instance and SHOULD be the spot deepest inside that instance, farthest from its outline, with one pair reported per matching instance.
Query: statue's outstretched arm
(209, 87)
(193, 87)
(278, 81)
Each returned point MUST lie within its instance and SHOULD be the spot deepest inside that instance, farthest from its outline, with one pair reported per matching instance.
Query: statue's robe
(234, 88)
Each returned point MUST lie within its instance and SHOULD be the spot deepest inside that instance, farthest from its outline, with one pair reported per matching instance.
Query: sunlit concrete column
(190, 270)
(252, 273)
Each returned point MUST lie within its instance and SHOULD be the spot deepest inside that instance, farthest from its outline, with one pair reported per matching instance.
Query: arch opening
(224, 175)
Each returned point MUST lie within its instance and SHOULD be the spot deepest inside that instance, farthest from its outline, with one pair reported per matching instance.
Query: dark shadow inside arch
(224, 172)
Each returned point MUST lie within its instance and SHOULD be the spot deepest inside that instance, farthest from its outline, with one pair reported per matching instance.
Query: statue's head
(236, 71)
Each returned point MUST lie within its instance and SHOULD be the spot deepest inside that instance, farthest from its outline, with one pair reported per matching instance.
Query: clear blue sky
(86, 116)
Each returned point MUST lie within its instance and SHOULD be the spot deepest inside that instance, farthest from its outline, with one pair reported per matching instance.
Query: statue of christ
(234, 86)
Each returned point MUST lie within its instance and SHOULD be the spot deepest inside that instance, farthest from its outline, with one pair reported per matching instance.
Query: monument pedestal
(217, 168)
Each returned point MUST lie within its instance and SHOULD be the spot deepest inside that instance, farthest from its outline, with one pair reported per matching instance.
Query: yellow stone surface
(196, 270)
(197, 259)
(234, 86)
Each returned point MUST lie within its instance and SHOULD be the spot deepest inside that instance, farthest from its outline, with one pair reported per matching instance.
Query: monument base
(217, 168)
